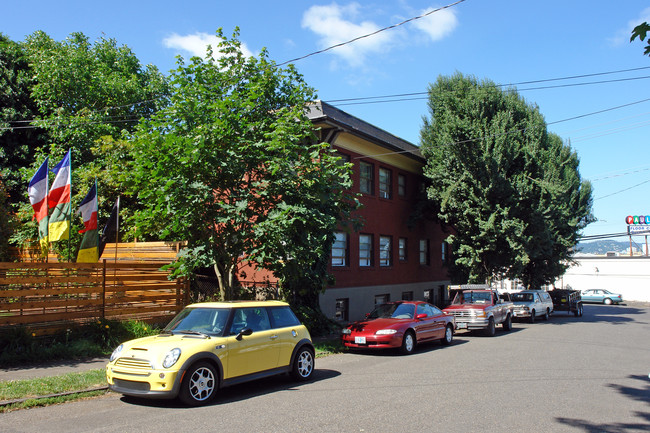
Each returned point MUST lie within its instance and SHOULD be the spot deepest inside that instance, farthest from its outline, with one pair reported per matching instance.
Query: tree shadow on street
(641, 394)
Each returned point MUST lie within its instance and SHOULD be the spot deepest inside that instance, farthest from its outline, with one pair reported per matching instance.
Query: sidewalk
(53, 368)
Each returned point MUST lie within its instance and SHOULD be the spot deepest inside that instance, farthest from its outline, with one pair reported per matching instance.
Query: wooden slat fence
(43, 295)
(163, 252)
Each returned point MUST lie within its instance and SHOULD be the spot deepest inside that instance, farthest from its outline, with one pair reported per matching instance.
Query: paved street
(569, 374)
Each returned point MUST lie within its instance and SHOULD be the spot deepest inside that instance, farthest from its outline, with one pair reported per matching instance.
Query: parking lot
(567, 374)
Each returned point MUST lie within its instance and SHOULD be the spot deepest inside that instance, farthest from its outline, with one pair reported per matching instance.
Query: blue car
(601, 296)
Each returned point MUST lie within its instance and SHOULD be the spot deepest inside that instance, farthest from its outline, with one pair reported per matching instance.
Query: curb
(6, 403)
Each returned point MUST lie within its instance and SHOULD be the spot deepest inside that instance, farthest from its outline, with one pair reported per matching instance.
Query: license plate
(461, 325)
(359, 340)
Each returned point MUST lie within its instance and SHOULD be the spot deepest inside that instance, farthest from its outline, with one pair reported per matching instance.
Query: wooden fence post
(104, 289)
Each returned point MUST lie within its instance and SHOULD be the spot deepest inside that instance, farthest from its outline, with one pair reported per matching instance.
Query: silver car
(531, 304)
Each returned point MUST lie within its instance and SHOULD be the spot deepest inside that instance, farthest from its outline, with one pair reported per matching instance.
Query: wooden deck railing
(42, 295)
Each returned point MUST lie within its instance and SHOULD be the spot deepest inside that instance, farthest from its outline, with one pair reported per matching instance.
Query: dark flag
(112, 228)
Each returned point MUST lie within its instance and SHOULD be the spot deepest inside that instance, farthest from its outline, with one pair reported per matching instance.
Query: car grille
(134, 386)
(140, 364)
(462, 313)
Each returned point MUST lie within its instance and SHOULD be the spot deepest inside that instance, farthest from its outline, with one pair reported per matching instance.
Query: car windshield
(522, 297)
(472, 297)
(208, 321)
(393, 311)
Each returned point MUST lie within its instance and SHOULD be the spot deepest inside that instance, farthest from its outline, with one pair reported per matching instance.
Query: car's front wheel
(449, 336)
(532, 316)
(303, 364)
(408, 343)
(199, 384)
(490, 331)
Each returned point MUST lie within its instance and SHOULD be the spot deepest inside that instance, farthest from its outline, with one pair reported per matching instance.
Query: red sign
(637, 219)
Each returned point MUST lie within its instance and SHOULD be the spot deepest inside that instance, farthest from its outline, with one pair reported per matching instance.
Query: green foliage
(6, 223)
(18, 142)
(18, 345)
(233, 167)
(315, 321)
(82, 96)
(640, 32)
(511, 191)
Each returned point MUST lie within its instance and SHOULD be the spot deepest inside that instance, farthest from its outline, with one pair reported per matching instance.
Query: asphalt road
(569, 374)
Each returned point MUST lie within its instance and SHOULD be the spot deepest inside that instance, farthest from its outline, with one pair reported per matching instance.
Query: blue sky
(506, 41)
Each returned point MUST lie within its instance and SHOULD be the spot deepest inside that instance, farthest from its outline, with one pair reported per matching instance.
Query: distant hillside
(604, 246)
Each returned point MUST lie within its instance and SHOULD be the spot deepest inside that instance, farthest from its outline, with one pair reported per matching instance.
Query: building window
(424, 251)
(385, 183)
(444, 252)
(402, 249)
(342, 308)
(407, 296)
(401, 185)
(382, 299)
(365, 250)
(340, 249)
(385, 250)
(366, 174)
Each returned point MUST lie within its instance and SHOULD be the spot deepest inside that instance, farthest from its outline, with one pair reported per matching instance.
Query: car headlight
(386, 331)
(346, 331)
(480, 313)
(171, 357)
(116, 352)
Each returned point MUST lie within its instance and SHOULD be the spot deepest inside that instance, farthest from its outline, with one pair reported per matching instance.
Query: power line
(372, 34)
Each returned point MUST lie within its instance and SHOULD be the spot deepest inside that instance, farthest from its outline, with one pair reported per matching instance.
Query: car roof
(238, 304)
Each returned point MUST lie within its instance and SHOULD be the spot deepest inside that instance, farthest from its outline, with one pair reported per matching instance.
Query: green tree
(641, 32)
(18, 141)
(88, 97)
(511, 192)
(232, 166)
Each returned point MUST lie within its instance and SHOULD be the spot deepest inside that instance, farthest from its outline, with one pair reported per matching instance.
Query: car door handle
(273, 337)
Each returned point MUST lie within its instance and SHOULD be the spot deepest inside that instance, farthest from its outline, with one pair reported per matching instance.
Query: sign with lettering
(638, 229)
(637, 219)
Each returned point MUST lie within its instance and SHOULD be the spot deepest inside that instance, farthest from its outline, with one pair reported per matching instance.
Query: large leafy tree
(511, 191)
(18, 139)
(232, 166)
(641, 31)
(87, 96)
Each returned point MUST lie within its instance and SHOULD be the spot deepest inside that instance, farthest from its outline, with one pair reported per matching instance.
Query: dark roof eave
(322, 112)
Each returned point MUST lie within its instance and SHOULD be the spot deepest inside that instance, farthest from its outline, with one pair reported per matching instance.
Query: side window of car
(255, 318)
(434, 311)
(422, 309)
(283, 317)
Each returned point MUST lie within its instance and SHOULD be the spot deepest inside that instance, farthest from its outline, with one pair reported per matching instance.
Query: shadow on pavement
(243, 391)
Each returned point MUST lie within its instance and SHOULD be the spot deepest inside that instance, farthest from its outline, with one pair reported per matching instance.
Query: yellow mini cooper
(212, 345)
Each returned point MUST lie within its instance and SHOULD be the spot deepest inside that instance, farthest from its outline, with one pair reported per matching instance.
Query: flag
(89, 248)
(112, 228)
(59, 200)
(37, 192)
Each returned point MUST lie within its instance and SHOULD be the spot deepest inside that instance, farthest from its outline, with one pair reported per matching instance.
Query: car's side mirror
(243, 332)
(421, 316)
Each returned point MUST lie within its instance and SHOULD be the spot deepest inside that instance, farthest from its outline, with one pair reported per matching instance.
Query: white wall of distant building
(629, 276)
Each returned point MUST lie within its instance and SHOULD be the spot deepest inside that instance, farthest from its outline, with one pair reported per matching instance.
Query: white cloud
(334, 25)
(197, 44)
(438, 24)
(622, 37)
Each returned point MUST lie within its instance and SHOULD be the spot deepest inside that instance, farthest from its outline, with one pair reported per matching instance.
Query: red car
(402, 324)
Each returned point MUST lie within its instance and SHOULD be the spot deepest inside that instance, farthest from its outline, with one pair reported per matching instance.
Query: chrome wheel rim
(305, 363)
(201, 384)
(448, 335)
(408, 343)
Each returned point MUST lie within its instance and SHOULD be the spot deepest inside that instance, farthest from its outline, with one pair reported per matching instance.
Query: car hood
(155, 348)
(377, 324)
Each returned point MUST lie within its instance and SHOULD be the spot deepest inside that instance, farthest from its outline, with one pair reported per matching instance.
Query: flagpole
(117, 236)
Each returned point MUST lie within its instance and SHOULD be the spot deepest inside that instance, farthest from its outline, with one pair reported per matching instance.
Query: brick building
(385, 260)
